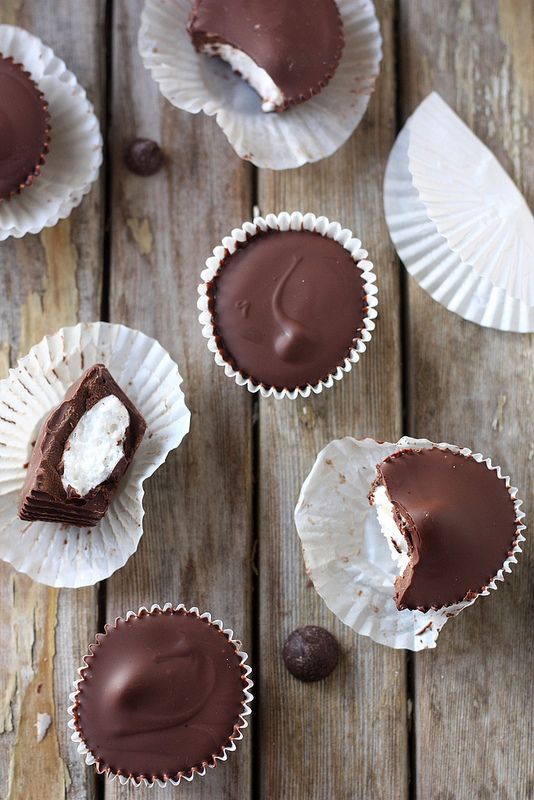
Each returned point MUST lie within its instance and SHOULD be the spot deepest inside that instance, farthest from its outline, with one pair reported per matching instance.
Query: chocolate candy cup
(458, 520)
(24, 128)
(279, 332)
(346, 552)
(298, 44)
(162, 695)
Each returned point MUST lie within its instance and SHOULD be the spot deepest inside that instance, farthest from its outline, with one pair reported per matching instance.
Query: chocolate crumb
(311, 653)
(144, 157)
(427, 627)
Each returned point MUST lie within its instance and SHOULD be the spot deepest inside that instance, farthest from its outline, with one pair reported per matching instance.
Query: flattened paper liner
(59, 554)
(436, 268)
(295, 222)
(239, 728)
(75, 153)
(475, 204)
(425, 252)
(347, 555)
(307, 132)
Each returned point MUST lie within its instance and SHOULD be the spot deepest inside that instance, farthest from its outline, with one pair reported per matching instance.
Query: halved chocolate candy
(450, 521)
(287, 51)
(84, 448)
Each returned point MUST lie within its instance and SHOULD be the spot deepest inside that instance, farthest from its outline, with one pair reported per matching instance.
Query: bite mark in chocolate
(44, 495)
(287, 51)
(457, 522)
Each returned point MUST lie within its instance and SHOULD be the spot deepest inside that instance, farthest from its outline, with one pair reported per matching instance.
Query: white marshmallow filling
(386, 517)
(272, 97)
(95, 446)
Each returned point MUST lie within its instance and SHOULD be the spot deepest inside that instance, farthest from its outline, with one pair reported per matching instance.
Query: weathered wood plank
(345, 738)
(473, 386)
(47, 281)
(197, 543)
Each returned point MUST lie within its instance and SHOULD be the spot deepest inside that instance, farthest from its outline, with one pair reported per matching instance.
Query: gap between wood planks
(406, 411)
(101, 782)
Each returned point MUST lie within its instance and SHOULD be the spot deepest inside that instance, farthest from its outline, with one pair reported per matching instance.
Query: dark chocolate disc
(311, 653)
(144, 157)
(162, 693)
(24, 128)
(287, 307)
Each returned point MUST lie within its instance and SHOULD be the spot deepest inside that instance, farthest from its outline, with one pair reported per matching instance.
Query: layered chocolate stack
(47, 494)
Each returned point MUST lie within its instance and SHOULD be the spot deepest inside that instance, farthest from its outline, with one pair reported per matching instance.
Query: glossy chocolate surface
(43, 495)
(162, 693)
(24, 127)
(458, 518)
(287, 307)
(297, 43)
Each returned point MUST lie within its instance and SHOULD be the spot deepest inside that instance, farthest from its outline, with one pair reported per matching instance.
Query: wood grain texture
(471, 386)
(347, 737)
(197, 543)
(47, 281)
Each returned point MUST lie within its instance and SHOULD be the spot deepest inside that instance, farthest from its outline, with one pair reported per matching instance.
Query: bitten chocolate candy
(457, 518)
(311, 653)
(162, 693)
(287, 51)
(144, 157)
(24, 128)
(90, 444)
(287, 307)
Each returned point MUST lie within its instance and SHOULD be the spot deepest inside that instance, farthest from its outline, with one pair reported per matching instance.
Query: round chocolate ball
(144, 157)
(311, 653)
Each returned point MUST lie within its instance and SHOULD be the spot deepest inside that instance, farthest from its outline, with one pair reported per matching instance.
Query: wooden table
(451, 724)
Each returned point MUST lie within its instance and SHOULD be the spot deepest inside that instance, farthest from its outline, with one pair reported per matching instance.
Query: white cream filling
(395, 539)
(95, 446)
(272, 97)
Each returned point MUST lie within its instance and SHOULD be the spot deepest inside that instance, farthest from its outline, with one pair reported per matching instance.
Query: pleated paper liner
(199, 771)
(75, 150)
(59, 554)
(307, 132)
(424, 250)
(347, 556)
(284, 222)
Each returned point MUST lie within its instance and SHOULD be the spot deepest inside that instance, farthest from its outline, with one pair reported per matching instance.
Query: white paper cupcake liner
(304, 133)
(75, 153)
(58, 554)
(285, 222)
(347, 556)
(235, 737)
(423, 206)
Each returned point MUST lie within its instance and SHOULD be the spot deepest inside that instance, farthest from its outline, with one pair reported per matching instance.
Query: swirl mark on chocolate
(190, 676)
(294, 343)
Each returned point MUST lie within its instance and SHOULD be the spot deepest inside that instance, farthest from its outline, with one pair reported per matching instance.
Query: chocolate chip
(144, 157)
(311, 653)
